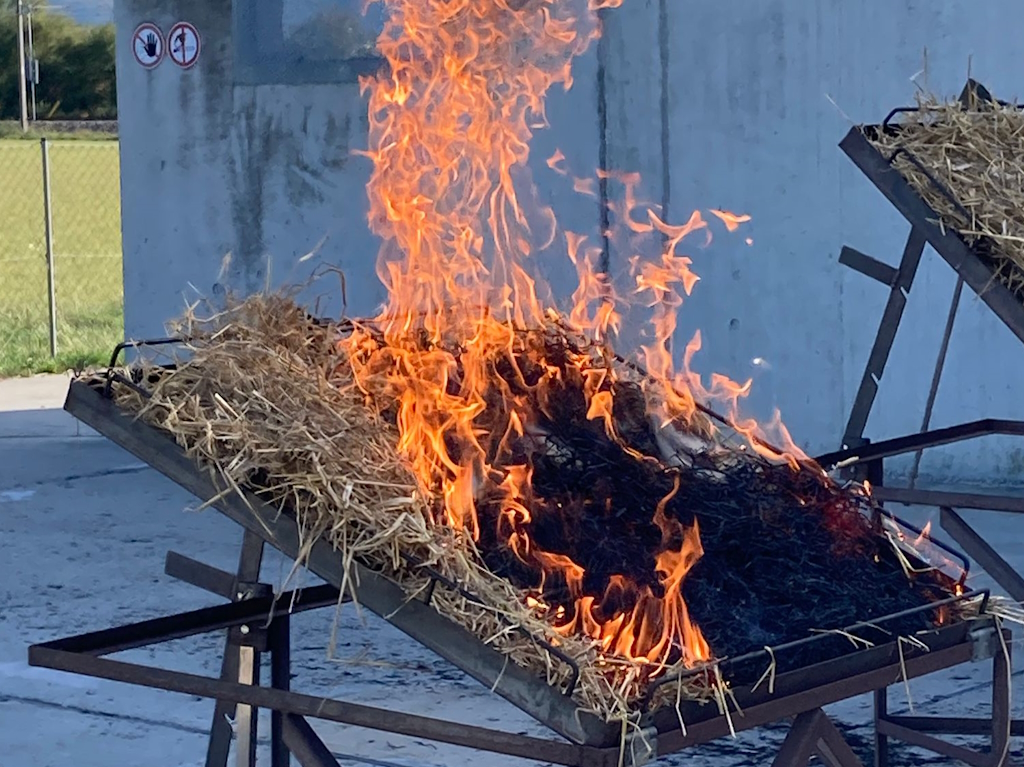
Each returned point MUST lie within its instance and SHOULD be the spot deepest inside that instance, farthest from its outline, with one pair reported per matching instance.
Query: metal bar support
(302, 741)
(920, 731)
(232, 665)
(814, 734)
(940, 363)
(891, 317)
(868, 266)
(881, 739)
(201, 575)
(982, 552)
(938, 498)
(280, 679)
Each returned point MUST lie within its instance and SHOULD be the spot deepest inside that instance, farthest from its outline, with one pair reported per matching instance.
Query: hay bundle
(975, 147)
(266, 400)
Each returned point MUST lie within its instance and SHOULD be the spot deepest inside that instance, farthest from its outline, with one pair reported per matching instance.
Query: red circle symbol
(148, 45)
(184, 44)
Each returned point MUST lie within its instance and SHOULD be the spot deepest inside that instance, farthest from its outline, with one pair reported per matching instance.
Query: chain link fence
(61, 290)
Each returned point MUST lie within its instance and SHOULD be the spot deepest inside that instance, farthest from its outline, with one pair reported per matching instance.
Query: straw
(977, 152)
(263, 399)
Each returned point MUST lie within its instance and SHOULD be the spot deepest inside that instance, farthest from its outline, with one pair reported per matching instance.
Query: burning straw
(267, 401)
(975, 148)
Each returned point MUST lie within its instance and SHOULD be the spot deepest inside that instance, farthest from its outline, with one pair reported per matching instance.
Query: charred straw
(266, 400)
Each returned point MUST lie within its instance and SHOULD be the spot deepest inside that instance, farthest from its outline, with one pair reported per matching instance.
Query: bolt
(245, 629)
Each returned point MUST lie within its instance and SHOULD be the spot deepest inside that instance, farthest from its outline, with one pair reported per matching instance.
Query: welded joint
(984, 644)
(641, 747)
(252, 590)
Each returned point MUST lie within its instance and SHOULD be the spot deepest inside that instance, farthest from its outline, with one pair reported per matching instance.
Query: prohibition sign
(183, 44)
(148, 45)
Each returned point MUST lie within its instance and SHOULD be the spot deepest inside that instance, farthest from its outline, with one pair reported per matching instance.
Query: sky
(86, 11)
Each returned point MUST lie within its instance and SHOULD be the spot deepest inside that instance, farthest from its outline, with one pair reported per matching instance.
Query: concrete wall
(718, 104)
(247, 161)
(736, 103)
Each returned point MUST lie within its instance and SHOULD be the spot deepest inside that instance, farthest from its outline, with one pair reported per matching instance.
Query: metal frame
(258, 623)
(972, 270)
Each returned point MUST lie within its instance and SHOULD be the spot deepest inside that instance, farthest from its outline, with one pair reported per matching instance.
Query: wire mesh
(86, 240)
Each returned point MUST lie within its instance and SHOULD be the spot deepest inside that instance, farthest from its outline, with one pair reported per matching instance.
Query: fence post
(48, 216)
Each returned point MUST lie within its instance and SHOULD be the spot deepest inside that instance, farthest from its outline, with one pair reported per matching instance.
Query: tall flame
(452, 200)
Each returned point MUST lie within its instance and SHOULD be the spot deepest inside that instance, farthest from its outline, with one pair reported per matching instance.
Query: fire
(458, 356)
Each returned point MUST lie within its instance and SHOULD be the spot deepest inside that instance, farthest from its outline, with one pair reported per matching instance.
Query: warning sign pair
(182, 45)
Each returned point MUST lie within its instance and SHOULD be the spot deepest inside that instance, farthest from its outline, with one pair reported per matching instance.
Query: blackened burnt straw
(784, 550)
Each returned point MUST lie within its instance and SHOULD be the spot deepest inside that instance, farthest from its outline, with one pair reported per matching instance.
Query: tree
(77, 79)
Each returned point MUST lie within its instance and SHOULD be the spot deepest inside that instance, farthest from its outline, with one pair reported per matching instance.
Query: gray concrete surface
(84, 529)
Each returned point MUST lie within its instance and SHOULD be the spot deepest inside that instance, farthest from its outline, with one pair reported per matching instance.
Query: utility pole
(22, 92)
(32, 66)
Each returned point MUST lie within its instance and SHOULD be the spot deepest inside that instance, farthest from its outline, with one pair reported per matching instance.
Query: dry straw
(264, 398)
(976, 150)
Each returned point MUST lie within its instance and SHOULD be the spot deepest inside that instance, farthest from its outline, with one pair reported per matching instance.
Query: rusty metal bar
(882, 347)
(937, 498)
(982, 552)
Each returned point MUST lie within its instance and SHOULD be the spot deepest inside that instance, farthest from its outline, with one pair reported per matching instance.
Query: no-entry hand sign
(148, 45)
(183, 44)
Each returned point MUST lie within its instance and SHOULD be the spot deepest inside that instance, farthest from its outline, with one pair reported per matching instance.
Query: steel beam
(868, 266)
(303, 742)
(982, 552)
(882, 346)
(938, 498)
(888, 448)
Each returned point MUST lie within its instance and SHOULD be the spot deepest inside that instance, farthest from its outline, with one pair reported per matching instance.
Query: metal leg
(221, 733)
(1001, 668)
(280, 679)
(832, 748)
(891, 317)
(881, 739)
(813, 734)
(305, 743)
(940, 363)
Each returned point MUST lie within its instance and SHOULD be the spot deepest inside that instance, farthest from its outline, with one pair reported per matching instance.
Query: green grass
(87, 256)
(12, 130)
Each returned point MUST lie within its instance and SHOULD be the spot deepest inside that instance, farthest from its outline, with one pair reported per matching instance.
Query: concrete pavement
(31, 408)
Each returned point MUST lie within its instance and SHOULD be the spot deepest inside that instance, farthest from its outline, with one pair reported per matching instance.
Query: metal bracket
(984, 644)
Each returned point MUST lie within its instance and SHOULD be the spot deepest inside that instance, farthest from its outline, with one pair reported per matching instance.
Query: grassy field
(87, 255)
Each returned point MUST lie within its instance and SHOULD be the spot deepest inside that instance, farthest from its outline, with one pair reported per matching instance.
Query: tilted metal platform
(258, 623)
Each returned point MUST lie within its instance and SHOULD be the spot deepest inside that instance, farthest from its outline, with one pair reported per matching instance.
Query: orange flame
(452, 200)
